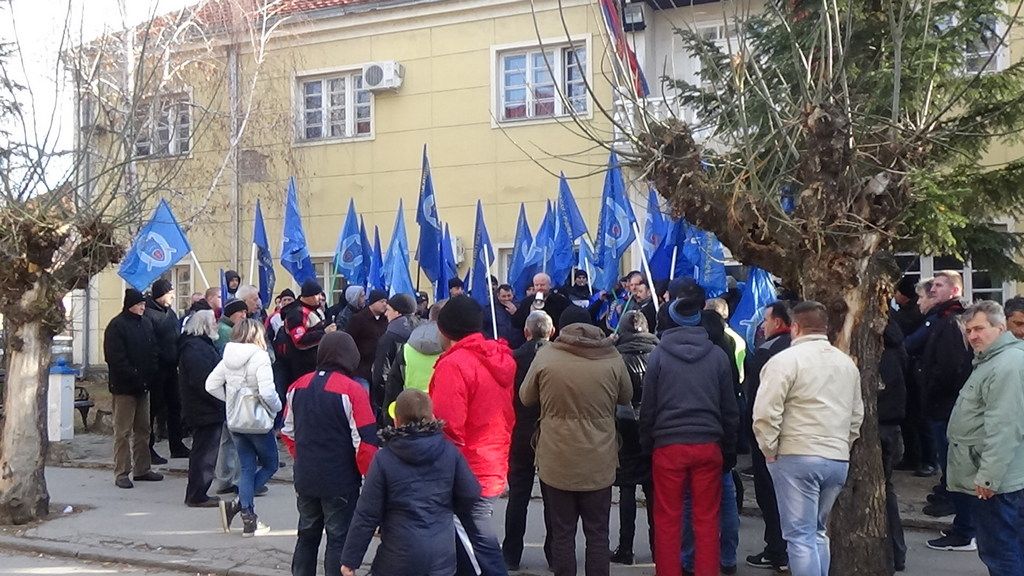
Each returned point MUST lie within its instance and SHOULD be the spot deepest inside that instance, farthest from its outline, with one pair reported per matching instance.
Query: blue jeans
(315, 515)
(728, 526)
(962, 523)
(1000, 524)
(479, 526)
(806, 488)
(253, 449)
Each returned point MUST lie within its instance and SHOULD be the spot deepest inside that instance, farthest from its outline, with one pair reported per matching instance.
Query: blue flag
(294, 251)
(544, 241)
(428, 252)
(656, 231)
(223, 289)
(562, 250)
(375, 275)
(568, 212)
(349, 255)
(401, 281)
(483, 258)
(367, 251)
(448, 267)
(758, 293)
(398, 247)
(523, 265)
(159, 245)
(675, 252)
(264, 261)
(615, 227)
(710, 270)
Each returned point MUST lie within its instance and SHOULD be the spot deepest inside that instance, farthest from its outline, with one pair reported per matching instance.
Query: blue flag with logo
(568, 211)
(367, 251)
(349, 255)
(562, 249)
(758, 292)
(428, 252)
(675, 251)
(398, 247)
(401, 281)
(523, 265)
(159, 245)
(264, 261)
(710, 258)
(615, 226)
(656, 228)
(223, 289)
(294, 251)
(544, 241)
(483, 259)
(375, 275)
(448, 267)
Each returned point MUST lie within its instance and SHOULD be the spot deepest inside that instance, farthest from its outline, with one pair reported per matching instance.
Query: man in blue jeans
(807, 415)
(986, 440)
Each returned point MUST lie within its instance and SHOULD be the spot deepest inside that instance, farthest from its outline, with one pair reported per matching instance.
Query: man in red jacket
(472, 390)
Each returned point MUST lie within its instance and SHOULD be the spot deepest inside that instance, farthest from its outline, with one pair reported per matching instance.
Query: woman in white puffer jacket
(244, 380)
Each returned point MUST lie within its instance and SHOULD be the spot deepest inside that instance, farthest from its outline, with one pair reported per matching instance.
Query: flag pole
(624, 310)
(200, 268)
(490, 294)
(252, 264)
(646, 265)
(672, 270)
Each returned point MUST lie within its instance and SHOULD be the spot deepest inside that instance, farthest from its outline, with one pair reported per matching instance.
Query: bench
(83, 403)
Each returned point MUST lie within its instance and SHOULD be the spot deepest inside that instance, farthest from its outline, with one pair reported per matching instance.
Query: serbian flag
(626, 56)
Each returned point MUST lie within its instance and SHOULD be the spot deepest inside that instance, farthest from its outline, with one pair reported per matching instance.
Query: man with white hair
(251, 296)
(543, 298)
(986, 439)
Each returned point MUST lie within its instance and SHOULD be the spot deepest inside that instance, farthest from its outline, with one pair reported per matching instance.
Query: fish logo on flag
(154, 251)
(159, 245)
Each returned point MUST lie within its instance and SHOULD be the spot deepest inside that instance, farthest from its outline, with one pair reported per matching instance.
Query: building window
(335, 107)
(164, 126)
(983, 55)
(978, 284)
(532, 80)
(334, 284)
(180, 278)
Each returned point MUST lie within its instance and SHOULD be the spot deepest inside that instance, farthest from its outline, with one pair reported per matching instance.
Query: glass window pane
(517, 78)
(313, 132)
(312, 102)
(311, 88)
(513, 111)
(948, 263)
(515, 62)
(544, 108)
(363, 127)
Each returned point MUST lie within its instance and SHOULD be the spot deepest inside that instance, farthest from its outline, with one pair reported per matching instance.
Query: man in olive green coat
(578, 380)
(986, 439)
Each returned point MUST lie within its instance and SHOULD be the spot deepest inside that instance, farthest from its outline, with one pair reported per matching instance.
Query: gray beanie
(352, 294)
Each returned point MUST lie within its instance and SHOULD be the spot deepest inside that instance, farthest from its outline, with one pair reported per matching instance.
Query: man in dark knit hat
(366, 327)
(305, 324)
(130, 350)
(402, 320)
(472, 388)
(164, 397)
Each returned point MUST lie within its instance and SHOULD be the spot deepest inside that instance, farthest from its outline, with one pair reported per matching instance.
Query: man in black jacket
(197, 357)
(892, 403)
(543, 298)
(538, 332)
(776, 332)
(165, 399)
(402, 320)
(129, 347)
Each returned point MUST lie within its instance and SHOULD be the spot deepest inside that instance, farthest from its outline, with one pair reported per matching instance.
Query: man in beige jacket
(807, 414)
(578, 380)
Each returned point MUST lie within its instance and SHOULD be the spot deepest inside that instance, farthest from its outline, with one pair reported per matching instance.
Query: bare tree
(67, 213)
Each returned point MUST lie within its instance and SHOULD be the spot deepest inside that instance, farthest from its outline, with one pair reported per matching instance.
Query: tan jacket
(809, 402)
(578, 379)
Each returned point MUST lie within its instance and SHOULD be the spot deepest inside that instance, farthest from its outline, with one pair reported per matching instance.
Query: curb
(178, 472)
(132, 557)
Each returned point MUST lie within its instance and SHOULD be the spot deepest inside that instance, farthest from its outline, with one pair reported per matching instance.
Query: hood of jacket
(585, 340)
(494, 356)
(237, 355)
(152, 304)
(417, 443)
(946, 309)
(337, 352)
(638, 343)
(1005, 342)
(403, 326)
(426, 339)
(687, 343)
(892, 337)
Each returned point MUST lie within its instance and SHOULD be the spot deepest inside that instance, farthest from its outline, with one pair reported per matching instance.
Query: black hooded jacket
(130, 350)
(634, 466)
(167, 330)
(197, 357)
(892, 398)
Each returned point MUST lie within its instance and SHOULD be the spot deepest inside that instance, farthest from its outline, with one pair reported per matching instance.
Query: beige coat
(809, 402)
(578, 379)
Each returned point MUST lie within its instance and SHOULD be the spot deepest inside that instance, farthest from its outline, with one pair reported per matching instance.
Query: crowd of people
(411, 420)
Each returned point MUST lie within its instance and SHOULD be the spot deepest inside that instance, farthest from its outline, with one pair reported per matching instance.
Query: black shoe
(953, 542)
(228, 490)
(764, 562)
(156, 458)
(261, 491)
(939, 510)
(123, 482)
(251, 526)
(926, 471)
(727, 570)
(622, 556)
(149, 477)
(228, 511)
(180, 452)
(934, 498)
(208, 503)
(905, 466)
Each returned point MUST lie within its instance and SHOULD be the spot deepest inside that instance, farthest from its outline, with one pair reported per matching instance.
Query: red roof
(218, 15)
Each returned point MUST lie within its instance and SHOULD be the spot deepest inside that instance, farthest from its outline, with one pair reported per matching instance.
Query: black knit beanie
(460, 317)
(160, 287)
(132, 297)
(404, 304)
(311, 288)
(573, 315)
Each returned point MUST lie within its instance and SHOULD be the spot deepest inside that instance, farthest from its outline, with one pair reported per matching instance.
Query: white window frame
(324, 266)
(999, 62)
(350, 76)
(558, 48)
(148, 118)
(967, 270)
(181, 285)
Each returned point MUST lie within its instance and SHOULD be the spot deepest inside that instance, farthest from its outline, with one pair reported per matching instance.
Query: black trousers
(764, 492)
(890, 439)
(521, 472)
(165, 404)
(202, 461)
(627, 515)
(566, 510)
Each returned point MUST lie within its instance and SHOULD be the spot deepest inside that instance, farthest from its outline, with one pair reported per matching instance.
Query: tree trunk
(859, 314)
(23, 494)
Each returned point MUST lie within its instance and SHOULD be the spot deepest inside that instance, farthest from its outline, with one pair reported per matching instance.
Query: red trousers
(679, 469)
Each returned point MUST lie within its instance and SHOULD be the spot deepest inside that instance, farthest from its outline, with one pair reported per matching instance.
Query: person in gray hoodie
(688, 420)
(355, 300)
(413, 365)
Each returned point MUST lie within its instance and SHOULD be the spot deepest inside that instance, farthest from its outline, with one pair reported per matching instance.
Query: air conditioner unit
(383, 75)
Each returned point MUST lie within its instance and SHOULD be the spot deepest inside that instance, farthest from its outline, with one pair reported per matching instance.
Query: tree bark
(23, 494)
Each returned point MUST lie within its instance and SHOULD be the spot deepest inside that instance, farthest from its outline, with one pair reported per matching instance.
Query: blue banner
(264, 260)
(428, 252)
(615, 227)
(483, 258)
(449, 269)
(375, 275)
(294, 251)
(397, 248)
(568, 211)
(758, 293)
(158, 246)
(349, 255)
(523, 265)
